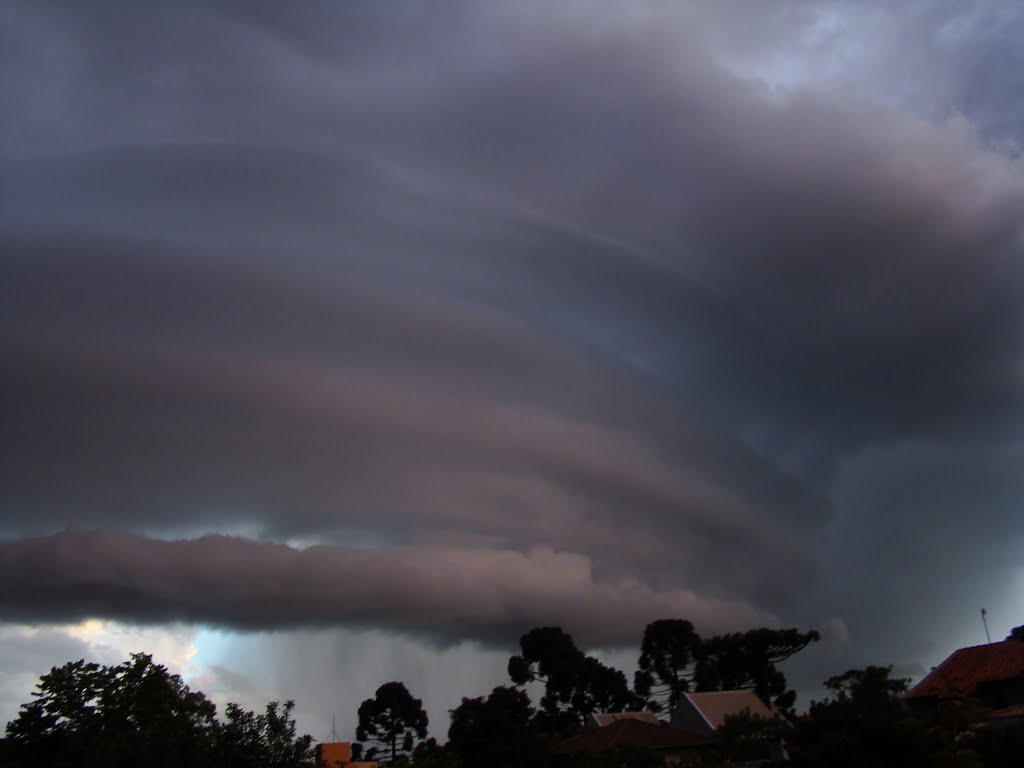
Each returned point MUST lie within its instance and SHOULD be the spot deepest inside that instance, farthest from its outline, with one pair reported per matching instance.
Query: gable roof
(604, 719)
(630, 732)
(966, 668)
(717, 705)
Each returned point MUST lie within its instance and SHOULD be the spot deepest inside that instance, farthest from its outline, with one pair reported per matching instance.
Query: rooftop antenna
(334, 732)
(984, 621)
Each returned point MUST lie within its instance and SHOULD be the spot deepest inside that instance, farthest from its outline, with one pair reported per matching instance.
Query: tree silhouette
(575, 685)
(665, 668)
(86, 714)
(497, 731)
(748, 659)
(674, 659)
(430, 754)
(862, 723)
(268, 740)
(391, 721)
(137, 713)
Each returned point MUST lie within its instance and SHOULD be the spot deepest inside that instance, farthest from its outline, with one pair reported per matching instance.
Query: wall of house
(334, 754)
(1002, 693)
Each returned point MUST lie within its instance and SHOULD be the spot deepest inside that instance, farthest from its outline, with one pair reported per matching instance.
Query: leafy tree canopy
(137, 713)
(268, 740)
(871, 686)
(390, 722)
(84, 713)
(862, 723)
(745, 737)
(865, 723)
(496, 731)
(430, 754)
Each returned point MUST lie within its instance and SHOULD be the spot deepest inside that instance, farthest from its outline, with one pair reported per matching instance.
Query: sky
(345, 342)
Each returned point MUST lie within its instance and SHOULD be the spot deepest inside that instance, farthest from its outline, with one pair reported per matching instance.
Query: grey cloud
(164, 398)
(445, 594)
(948, 58)
(30, 651)
(959, 545)
(856, 221)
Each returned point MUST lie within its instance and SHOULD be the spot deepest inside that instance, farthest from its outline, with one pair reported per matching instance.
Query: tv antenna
(984, 621)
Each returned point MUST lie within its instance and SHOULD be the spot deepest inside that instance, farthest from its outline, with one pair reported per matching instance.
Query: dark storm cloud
(441, 593)
(314, 408)
(492, 279)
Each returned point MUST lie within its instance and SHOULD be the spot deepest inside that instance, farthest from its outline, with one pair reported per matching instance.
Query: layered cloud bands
(516, 314)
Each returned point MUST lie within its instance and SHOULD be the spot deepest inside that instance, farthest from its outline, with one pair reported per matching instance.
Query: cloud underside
(443, 594)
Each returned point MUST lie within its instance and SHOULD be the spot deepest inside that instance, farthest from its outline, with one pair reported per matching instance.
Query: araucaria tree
(390, 722)
(575, 685)
(674, 659)
(665, 669)
(748, 659)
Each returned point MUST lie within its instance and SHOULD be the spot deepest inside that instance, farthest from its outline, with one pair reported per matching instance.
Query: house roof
(967, 667)
(632, 733)
(717, 705)
(1017, 711)
(607, 718)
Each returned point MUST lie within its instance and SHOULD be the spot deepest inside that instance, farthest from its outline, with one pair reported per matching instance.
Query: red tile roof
(718, 705)
(633, 733)
(966, 668)
(607, 718)
(1017, 711)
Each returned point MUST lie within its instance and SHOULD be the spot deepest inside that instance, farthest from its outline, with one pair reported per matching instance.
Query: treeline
(862, 722)
(504, 728)
(137, 714)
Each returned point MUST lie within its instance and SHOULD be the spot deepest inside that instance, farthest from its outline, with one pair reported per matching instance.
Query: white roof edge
(699, 711)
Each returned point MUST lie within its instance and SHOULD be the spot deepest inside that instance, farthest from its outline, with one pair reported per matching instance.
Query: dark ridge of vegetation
(138, 714)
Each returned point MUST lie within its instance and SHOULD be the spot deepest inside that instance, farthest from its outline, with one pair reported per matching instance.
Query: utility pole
(985, 622)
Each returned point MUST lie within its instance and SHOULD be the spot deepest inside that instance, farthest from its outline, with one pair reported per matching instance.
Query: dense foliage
(674, 659)
(497, 731)
(138, 714)
(391, 722)
(748, 659)
(267, 740)
(575, 685)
